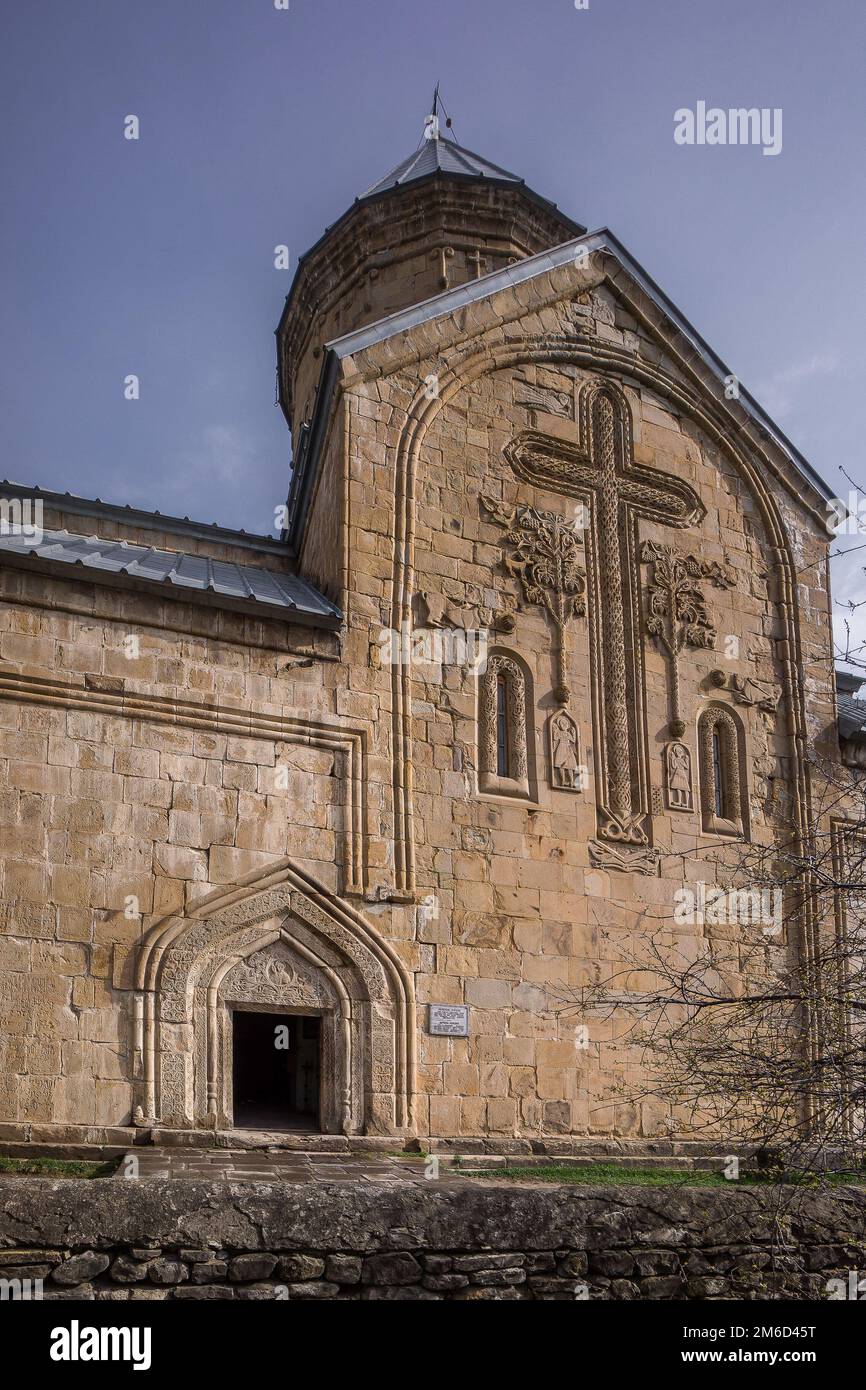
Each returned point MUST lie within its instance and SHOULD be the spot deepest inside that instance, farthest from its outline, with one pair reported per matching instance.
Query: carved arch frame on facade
(694, 393)
(324, 995)
(745, 449)
(521, 727)
(721, 720)
(333, 963)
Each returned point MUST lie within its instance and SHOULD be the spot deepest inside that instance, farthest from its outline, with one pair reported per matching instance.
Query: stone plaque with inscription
(450, 1019)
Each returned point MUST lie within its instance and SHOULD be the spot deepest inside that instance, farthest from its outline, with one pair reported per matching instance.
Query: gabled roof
(475, 291)
(178, 575)
(437, 156)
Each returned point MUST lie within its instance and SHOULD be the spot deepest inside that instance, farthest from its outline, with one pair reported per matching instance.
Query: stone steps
(92, 1153)
(593, 1147)
(468, 1164)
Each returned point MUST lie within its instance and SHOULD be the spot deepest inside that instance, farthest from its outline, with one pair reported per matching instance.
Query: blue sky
(259, 126)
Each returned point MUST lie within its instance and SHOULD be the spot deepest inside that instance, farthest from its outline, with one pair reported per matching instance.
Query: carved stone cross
(600, 469)
(443, 254)
(478, 259)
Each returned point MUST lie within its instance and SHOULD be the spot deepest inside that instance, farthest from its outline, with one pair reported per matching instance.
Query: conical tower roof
(440, 156)
(436, 155)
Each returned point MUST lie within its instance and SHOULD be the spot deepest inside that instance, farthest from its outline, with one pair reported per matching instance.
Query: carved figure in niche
(678, 766)
(565, 765)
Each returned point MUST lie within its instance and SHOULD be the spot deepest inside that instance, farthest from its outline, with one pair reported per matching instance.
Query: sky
(259, 125)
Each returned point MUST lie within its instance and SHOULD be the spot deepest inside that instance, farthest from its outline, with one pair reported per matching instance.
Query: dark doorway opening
(276, 1067)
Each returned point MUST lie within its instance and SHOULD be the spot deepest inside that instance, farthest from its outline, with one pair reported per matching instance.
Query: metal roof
(157, 521)
(243, 588)
(851, 715)
(437, 156)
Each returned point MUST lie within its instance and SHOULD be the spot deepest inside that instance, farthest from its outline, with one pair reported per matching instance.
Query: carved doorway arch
(278, 942)
(277, 973)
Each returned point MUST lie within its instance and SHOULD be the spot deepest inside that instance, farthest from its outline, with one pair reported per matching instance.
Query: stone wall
(153, 1239)
(529, 905)
(133, 779)
(159, 759)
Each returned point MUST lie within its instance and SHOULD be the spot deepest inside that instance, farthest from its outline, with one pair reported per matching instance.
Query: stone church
(315, 834)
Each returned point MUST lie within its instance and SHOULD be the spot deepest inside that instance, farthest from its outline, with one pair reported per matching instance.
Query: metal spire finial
(431, 125)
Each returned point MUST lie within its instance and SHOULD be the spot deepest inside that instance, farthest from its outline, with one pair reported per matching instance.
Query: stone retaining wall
(153, 1239)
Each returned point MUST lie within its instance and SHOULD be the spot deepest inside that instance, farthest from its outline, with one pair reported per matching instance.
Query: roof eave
(81, 574)
(154, 521)
(484, 181)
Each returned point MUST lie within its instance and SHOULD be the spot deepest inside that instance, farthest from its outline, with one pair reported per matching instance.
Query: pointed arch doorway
(214, 984)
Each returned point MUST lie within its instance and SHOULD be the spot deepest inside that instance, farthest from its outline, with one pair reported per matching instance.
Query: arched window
(721, 751)
(503, 742)
(718, 773)
(503, 723)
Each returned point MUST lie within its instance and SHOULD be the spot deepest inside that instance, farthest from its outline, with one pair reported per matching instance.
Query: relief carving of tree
(677, 613)
(546, 551)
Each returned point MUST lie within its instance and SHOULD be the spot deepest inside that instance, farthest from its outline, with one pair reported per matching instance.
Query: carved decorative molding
(546, 555)
(345, 968)
(602, 470)
(677, 610)
(270, 976)
(544, 398)
(478, 259)
(729, 766)
(627, 859)
(443, 255)
(748, 690)
(757, 463)
(489, 780)
(756, 460)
